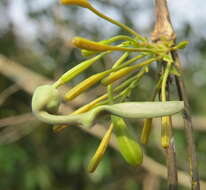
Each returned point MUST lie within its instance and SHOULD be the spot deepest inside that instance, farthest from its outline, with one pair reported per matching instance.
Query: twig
(163, 29)
(193, 165)
(171, 161)
(8, 92)
(151, 182)
(171, 154)
(161, 171)
(15, 120)
(178, 123)
(170, 150)
(12, 134)
(21, 75)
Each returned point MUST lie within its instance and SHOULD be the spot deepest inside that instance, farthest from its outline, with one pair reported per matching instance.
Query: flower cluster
(138, 54)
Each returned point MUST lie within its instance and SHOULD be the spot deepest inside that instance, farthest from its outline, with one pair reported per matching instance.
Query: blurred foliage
(38, 38)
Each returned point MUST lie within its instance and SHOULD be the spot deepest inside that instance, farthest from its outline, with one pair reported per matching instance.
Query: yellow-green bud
(82, 3)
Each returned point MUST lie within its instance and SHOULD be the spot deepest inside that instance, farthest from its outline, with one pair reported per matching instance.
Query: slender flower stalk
(86, 4)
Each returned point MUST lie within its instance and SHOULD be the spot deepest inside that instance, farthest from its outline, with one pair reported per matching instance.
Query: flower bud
(84, 85)
(87, 53)
(100, 150)
(146, 131)
(98, 46)
(89, 45)
(69, 75)
(165, 139)
(128, 147)
(181, 45)
(82, 3)
(117, 75)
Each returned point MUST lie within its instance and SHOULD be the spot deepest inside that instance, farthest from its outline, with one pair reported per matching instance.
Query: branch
(163, 29)
(193, 165)
(8, 92)
(15, 120)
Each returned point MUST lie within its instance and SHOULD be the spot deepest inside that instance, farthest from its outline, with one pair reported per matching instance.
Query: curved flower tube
(46, 100)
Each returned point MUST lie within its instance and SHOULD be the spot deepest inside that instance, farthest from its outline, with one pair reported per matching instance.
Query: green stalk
(98, 13)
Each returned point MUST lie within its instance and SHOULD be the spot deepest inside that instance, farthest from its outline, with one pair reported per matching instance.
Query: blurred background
(35, 34)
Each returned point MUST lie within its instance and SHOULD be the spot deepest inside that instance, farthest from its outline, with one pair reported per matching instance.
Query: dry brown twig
(8, 92)
(15, 120)
(163, 29)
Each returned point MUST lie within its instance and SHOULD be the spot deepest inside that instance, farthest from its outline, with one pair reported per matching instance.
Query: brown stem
(171, 161)
(170, 151)
(193, 163)
(163, 30)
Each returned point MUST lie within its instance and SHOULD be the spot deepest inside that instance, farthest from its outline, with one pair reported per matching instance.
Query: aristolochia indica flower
(139, 54)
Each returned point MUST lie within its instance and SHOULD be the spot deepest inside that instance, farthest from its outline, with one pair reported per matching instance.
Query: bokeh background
(35, 34)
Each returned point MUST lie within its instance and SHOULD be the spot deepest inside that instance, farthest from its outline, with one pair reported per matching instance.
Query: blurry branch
(22, 75)
(12, 134)
(178, 123)
(15, 120)
(17, 127)
(191, 148)
(151, 182)
(8, 92)
(29, 80)
(161, 171)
